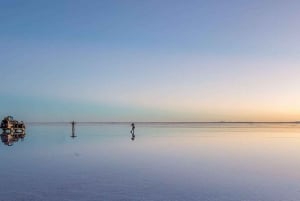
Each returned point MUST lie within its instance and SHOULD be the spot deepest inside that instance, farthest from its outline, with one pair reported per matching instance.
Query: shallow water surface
(213, 162)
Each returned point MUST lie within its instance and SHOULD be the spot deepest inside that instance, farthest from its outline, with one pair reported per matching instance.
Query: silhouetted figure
(73, 129)
(132, 128)
(132, 131)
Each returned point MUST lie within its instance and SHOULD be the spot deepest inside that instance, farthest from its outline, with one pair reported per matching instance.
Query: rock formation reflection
(10, 138)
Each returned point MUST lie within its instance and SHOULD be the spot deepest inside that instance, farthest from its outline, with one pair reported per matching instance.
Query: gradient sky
(157, 60)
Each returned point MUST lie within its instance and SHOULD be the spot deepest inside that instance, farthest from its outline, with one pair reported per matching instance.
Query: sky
(157, 60)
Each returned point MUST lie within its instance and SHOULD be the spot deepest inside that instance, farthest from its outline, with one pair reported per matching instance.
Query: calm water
(207, 162)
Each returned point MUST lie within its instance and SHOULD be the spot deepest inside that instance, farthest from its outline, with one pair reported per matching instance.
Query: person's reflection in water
(132, 131)
(132, 136)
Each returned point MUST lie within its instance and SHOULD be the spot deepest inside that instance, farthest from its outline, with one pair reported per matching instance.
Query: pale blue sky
(150, 60)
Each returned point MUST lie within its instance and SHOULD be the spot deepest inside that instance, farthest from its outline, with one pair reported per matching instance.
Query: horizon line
(160, 122)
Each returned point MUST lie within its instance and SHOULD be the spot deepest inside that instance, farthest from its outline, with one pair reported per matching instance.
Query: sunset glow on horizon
(150, 60)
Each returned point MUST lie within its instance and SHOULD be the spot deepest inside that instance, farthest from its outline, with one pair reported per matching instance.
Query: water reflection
(11, 138)
(231, 163)
(132, 136)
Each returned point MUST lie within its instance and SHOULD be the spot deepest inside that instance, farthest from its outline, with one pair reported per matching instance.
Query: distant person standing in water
(132, 128)
(132, 131)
